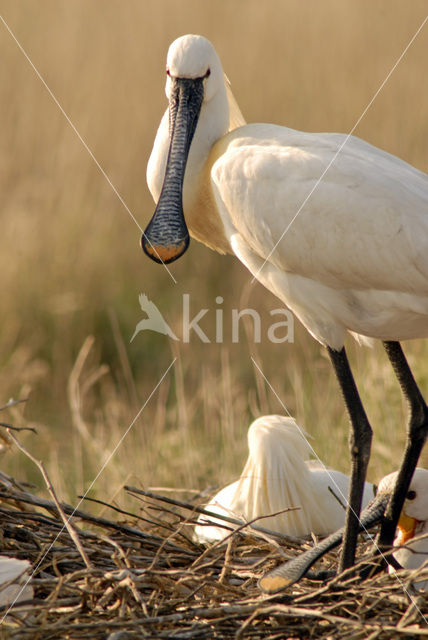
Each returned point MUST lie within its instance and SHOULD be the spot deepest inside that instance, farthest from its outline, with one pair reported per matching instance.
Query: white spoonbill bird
(412, 538)
(278, 474)
(335, 227)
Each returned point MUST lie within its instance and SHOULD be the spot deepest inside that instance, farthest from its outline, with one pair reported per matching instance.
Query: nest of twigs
(143, 576)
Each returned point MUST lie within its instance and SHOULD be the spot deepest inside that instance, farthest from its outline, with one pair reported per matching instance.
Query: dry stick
(125, 513)
(10, 426)
(66, 521)
(227, 559)
(334, 494)
(168, 539)
(218, 516)
(74, 392)
(156, 523)
(148, 538)
(240, 525)
(243, 525)
(12, 403)
(123, 358)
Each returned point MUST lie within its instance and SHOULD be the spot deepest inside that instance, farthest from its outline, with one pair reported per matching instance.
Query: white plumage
(278, 474)
(355, 258)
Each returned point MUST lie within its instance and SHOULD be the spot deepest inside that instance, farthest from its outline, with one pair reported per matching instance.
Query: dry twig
(72, 532)
(156, 583)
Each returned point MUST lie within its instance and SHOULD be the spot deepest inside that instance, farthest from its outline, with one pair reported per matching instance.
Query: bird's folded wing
(349, 217)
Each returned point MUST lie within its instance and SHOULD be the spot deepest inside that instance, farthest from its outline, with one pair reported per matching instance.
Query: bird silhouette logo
(154, 320)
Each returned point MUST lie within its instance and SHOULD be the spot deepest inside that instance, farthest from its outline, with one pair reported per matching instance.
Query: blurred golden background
(70, 264)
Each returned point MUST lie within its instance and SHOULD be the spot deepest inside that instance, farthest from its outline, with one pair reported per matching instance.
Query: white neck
(212, 125)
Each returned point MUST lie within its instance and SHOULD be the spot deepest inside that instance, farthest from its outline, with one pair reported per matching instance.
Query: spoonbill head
(197, 92)
(279, 475)
(333, 226)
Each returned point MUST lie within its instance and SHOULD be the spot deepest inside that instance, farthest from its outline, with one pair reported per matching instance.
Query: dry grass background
(71, 267)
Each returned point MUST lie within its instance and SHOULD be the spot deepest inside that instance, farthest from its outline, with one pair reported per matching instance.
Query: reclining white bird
(279, 475)
(333, 226)
(411, 539)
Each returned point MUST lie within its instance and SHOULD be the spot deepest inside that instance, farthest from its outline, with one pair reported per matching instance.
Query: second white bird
(278, 475)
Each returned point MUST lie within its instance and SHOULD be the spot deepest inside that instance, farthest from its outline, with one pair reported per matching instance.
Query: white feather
(279, 475)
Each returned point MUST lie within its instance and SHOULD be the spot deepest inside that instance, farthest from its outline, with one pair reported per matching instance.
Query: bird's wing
(363, 224)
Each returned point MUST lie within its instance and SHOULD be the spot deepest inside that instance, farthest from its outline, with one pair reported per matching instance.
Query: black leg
(417, 432)
(360, 442)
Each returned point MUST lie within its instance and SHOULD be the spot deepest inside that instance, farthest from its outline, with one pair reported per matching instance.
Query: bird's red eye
(208, 73)
(167, 72)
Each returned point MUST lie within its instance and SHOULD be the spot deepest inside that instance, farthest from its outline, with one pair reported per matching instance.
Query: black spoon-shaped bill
(166, 237)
